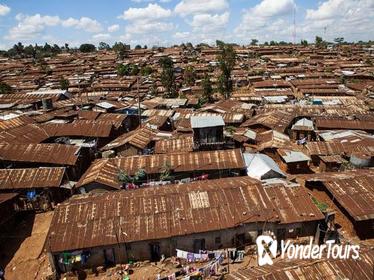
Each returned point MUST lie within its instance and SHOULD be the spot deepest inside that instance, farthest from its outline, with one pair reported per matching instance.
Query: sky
(168, 22)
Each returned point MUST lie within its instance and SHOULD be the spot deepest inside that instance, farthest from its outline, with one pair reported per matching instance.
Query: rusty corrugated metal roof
(355, 195)
(325, 269)
(182, 144)
(106, 171)
(41, 153)
(139, 138)
(45, 177)
(84, 128)
(162, 212)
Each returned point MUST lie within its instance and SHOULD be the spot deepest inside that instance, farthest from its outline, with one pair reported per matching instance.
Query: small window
(218, 240)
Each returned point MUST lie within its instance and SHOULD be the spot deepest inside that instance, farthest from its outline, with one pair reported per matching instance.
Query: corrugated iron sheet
(41, 153)
(314, 269)
(31, 178)
(139, 138)
(106, 170)
(79, 128)
(355, 195)
(182, 144)
(163, 212)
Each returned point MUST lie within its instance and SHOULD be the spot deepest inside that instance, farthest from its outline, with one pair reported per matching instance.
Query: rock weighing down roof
(105, 171)
(45, 177)
(175, 210)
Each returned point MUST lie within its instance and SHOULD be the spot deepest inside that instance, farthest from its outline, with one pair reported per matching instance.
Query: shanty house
(207, 132)
(38, 188)
(261, 167)
(146, 223)
(294, 161)
(303, 128)
(104, 174)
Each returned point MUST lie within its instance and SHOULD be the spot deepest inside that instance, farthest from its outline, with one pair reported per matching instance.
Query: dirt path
(29, 262)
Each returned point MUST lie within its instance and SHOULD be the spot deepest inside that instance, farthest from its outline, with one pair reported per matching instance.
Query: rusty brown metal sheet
(337, 148)
(105, 171)
(311, 269)
(139, 138)
(355, 195)
(159, 212)
(15, 122)
(162, 212)
(182, 144)
(30, 133)
(85, 128)
(40, 153)
(47, 177)
(335, 123)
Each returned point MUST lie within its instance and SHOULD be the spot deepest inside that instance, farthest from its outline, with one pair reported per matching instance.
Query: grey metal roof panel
(206, 121)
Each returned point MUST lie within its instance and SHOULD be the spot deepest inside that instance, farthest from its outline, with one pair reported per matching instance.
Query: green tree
(121, 49)
(5, 88)
(138, 47)
(189, 76)
(134, 70)
(339, 40)
(64, 84)
(86, 48)
(103, 46)
(319, 42)
(207, 88)
(304, 43)
(226, 63)
(168, 77)
(166, 172)
(146, 71)
(123, 70)
(254, 42)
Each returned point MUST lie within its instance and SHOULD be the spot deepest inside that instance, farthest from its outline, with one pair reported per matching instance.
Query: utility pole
(294, 25)
(139, 111)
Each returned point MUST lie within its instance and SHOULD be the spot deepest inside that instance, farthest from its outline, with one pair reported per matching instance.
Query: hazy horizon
(169, 22)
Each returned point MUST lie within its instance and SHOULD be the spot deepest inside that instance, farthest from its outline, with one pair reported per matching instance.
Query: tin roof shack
(146, 223)
(261, 167)
(272, 120)
(355, 197)
(46, 155)
(135, 142)
(207, 132)
(295, 162)
(7, 210)
(325, 268)
(93, 134)
(331, 163)
(104, 174)
(303, 129)
(38, 188)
